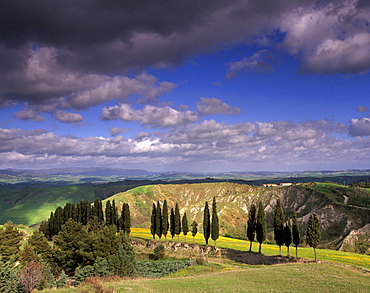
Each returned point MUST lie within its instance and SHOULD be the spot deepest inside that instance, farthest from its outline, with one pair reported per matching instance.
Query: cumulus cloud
(84, 58)
(116, 130)
(331, 38)
(68, 117)
(359, 127)
(209, 145)
(29, 114)
(209, 106)
(152, 116)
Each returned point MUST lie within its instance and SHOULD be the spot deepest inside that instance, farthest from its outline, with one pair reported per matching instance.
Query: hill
(332, 203)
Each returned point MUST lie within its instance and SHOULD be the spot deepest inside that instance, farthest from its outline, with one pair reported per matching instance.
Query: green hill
(30, 206)
(332, 203)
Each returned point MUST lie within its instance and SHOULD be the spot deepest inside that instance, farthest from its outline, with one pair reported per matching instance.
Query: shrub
(159, 252)
(157, 269)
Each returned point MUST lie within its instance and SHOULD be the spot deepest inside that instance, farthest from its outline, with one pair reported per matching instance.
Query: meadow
(340, 257)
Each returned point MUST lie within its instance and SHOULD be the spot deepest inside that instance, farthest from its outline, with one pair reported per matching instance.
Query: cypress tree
(172, 223)
(215, 228)
(313, 232)
(251, 225)
(108, 213)
(97, 211)
(127, 218)
(165, 223)
(206, 223)
(158, 221)
(261, 225)
(114, 213)
(185, 226)
(177, 222)
(295, 232)
(279, 225)
(288, 236)
(194, 229)
(153, 221)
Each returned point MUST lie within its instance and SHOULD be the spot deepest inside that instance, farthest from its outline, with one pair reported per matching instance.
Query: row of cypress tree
(285, 232)
(162, 222)
(84, 212)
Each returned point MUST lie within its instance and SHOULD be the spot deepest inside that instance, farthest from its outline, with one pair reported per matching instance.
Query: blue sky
(211, 86)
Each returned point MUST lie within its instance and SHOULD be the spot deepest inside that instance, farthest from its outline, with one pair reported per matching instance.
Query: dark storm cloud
(71, 49)
(85, 22)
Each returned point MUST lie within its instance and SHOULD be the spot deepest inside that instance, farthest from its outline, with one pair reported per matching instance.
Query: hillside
(330, 201)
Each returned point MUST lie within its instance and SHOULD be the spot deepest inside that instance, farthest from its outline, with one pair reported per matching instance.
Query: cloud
(209, 106)
(116, 130)
(359, 127)
(204, 146)
(29, 114)
(259, 63)
(152, 116)
(331, 38)
(362, 109)
(84, 59)
(68, 117)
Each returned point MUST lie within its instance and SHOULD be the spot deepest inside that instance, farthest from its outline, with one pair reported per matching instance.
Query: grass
(37, 203)
(346, 258)
(311, 277)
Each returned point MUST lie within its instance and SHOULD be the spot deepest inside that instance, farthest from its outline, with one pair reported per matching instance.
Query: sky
(193, 86)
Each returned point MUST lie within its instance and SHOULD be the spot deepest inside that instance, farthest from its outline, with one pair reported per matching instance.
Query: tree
(31, 275)
(114, 213)
(288, 236)
(108, 213)
(165, 223)
(172, 223)
(215, 228)
(123, 262)
(185, 226)
(127, 219)
(251, 225)
(97, 211)
(279, 225)
(261, 225)
(206, 223)
(153, 221)
(9, 276)
(194, 229)
(73, 246)
(177, 222)
(10, 241)
(295, 232)
(158, 221)
(313, 232)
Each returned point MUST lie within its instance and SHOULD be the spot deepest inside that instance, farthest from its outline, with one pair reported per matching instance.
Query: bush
(159, 252)
(157, 269)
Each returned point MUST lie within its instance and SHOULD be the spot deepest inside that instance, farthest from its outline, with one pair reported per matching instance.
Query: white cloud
(153, 116)
(208, 146)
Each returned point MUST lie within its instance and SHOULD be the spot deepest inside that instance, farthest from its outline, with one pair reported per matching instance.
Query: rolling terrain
(330, 201)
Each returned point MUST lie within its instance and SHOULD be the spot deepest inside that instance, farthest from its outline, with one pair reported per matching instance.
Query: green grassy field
(312, 277)
(37, 203)
(346, 258)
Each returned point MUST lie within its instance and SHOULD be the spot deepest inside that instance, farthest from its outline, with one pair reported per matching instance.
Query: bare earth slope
(329, 201)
